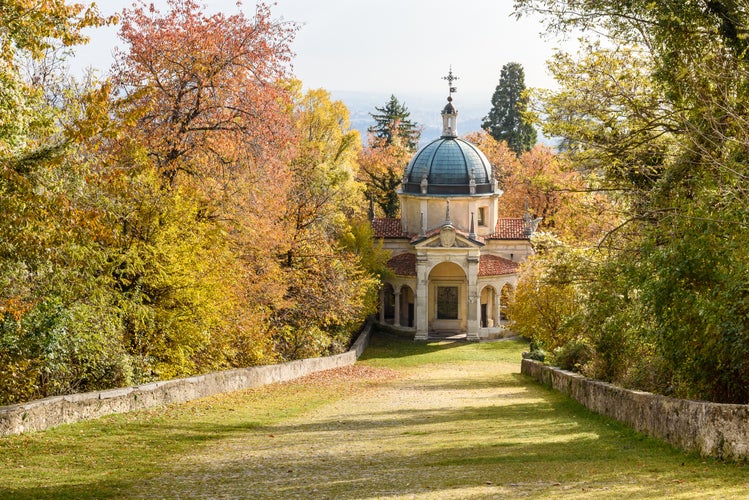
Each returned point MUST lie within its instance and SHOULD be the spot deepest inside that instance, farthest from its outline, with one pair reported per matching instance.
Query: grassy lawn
(411, 420)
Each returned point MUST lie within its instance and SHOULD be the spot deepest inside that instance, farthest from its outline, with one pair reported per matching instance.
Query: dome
(448, 166)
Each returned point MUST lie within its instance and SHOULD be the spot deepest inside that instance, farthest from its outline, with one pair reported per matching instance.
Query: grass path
(409, 421)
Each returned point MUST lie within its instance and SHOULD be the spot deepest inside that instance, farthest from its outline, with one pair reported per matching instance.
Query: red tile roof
(492, 265)
(509, 229)
(403, 264)
(387, 228)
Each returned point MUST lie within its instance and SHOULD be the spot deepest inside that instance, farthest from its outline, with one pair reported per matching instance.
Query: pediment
(447, 237)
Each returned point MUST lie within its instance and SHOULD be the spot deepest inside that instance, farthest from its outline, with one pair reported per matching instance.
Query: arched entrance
(447, 299)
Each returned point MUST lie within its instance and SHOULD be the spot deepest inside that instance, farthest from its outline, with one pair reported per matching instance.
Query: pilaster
(474, 304)
(397, 318)
(421, 308)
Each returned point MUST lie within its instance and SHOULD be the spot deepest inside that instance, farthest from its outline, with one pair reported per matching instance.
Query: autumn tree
(324, 193)
(543, 183)
(55, 334)
(390, 144)
(505, 121)
(329, 290)
(33, 30)
(205, 168)
(547, 300)
(382, 166)
(147, 222)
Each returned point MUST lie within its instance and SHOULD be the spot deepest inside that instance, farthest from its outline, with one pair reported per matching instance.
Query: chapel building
(454, 260)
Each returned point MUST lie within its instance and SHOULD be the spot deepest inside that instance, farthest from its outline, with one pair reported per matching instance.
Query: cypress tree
(505, 121)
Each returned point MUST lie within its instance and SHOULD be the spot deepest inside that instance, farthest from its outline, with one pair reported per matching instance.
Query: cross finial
(450, 79)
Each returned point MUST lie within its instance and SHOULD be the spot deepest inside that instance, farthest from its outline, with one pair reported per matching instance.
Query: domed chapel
(454, 259)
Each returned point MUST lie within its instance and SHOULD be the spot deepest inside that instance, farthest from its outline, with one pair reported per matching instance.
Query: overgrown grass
(460, 422)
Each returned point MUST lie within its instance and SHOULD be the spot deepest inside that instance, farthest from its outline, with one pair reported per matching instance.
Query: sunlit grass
(459, 422)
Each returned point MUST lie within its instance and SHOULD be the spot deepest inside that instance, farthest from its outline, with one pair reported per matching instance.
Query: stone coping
(44, 413)
(710, 429)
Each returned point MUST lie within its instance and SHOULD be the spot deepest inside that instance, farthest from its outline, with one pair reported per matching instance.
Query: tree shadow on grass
(528, 448)
(498, 381)
(96, 489)
(386, 347)
(115, 444)
(567, 446)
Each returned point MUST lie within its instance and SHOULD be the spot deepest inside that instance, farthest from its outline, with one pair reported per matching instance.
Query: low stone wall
(711, 429)
(49, 412)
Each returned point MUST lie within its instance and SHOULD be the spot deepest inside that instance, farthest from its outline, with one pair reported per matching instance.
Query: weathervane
(450, 79)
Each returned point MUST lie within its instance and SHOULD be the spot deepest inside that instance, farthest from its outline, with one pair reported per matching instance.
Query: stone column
(421, 296)
(397, 315)
(474, 304)
(382, 305)
(495, 307)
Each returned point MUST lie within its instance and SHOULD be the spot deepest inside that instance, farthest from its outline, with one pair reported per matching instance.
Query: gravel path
(379, 442)
(466, 426)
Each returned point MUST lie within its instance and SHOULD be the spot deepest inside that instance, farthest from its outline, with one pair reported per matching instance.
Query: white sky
(387, 46)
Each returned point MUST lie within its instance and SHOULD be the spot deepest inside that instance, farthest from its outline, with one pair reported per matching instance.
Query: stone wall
(711, 429)
(49, 412)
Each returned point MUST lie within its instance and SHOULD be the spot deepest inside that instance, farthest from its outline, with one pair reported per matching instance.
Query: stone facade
(454, 259)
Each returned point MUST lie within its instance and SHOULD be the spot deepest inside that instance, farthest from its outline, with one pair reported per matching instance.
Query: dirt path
(471, 429)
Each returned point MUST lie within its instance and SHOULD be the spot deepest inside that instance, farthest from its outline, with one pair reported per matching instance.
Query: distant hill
(425, 110)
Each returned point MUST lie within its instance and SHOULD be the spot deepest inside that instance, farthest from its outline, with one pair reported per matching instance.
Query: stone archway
(448, 298)
(387, 304)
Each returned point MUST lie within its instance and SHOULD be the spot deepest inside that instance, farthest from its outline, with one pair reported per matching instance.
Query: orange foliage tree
(205, 158)
(381, 167)
(538, 180)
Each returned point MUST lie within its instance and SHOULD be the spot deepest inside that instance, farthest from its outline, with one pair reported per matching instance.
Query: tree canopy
(197, 212)
(655, 118)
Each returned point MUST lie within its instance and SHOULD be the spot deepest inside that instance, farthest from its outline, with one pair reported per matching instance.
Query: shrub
(573, 355)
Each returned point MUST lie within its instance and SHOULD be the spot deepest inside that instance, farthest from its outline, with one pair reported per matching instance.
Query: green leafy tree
(393, 120)
(57, 334)
(659, 118)
(505, 121)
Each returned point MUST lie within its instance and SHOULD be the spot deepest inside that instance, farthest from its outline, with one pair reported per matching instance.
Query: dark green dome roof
(449, 164)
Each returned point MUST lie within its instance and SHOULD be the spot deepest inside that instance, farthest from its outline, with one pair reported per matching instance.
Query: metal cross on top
(450, 79)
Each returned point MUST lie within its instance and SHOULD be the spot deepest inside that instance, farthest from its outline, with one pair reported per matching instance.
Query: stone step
(446, 335)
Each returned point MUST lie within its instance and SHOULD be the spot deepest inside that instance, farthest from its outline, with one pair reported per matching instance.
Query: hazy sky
(388, 46)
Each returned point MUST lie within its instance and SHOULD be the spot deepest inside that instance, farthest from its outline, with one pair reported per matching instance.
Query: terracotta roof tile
(387, 228)
(509, 229)
(403, 264)
(493, 265)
